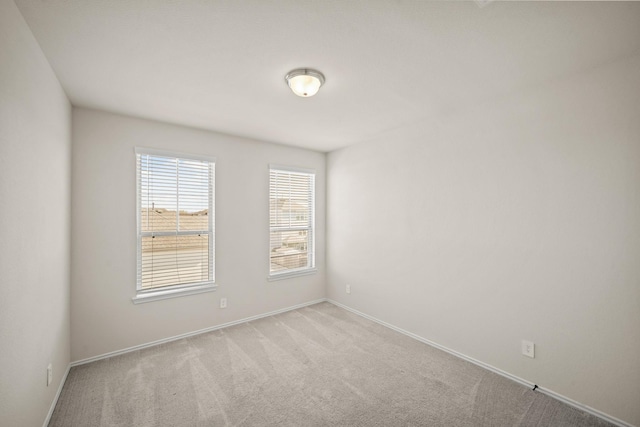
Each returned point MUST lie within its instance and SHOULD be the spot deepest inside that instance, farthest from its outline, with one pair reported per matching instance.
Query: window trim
(174, 291)
(303, 271)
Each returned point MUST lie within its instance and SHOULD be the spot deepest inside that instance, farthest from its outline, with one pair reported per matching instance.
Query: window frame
(176, 290)
(311, 245)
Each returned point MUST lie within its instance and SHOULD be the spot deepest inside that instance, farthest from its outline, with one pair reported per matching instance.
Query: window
(291, 222)
(176, 237)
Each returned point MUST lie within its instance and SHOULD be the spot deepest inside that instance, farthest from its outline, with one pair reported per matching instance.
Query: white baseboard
(557, 396)
(55, 399)
(190, 334)
(551, 393)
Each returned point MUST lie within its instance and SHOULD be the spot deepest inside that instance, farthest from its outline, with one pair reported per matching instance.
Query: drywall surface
(35, 164)
(103, 271)
(517, 220)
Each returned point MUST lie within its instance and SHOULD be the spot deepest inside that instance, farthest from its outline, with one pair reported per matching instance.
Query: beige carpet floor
(315, 366)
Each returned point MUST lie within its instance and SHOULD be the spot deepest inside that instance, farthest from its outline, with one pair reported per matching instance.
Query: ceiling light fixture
(304, 82)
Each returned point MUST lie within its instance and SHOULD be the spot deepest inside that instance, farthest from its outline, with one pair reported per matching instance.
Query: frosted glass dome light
(304, 82)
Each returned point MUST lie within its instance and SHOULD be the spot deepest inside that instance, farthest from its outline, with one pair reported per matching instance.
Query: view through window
(175, 221)
(291, 221)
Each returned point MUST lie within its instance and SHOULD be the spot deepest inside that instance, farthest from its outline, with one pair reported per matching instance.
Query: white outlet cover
(528, 349)
(348, 289)
(223, 303)
(49, 374)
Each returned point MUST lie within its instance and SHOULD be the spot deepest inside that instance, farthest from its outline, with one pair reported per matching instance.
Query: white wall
(519, 219)
(35, 163)
(103, 271)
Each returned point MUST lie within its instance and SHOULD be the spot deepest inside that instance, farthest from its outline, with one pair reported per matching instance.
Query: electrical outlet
(528, 349)
(49, 374)
(223, 303)
(348, 289)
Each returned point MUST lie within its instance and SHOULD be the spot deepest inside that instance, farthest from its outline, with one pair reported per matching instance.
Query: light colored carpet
(315, 366)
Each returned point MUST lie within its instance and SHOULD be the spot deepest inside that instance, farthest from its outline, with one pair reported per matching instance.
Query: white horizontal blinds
(291, 220)
(176, 226)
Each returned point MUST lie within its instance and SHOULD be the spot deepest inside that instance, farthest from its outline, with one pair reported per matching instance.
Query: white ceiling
(220, 65)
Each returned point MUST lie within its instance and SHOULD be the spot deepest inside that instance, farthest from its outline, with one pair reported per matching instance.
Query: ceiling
(220, 65)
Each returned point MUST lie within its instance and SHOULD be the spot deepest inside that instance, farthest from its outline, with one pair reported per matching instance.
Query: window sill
(148, 296)
(290, 274)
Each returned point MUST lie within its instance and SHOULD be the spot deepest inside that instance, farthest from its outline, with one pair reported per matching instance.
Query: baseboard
(551, 393)
(55, 399)
(190, 334)
(557, 396)
(609, 418)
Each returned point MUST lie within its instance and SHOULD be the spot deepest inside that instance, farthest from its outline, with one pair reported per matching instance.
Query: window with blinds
(175, 221)
(291, 221)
